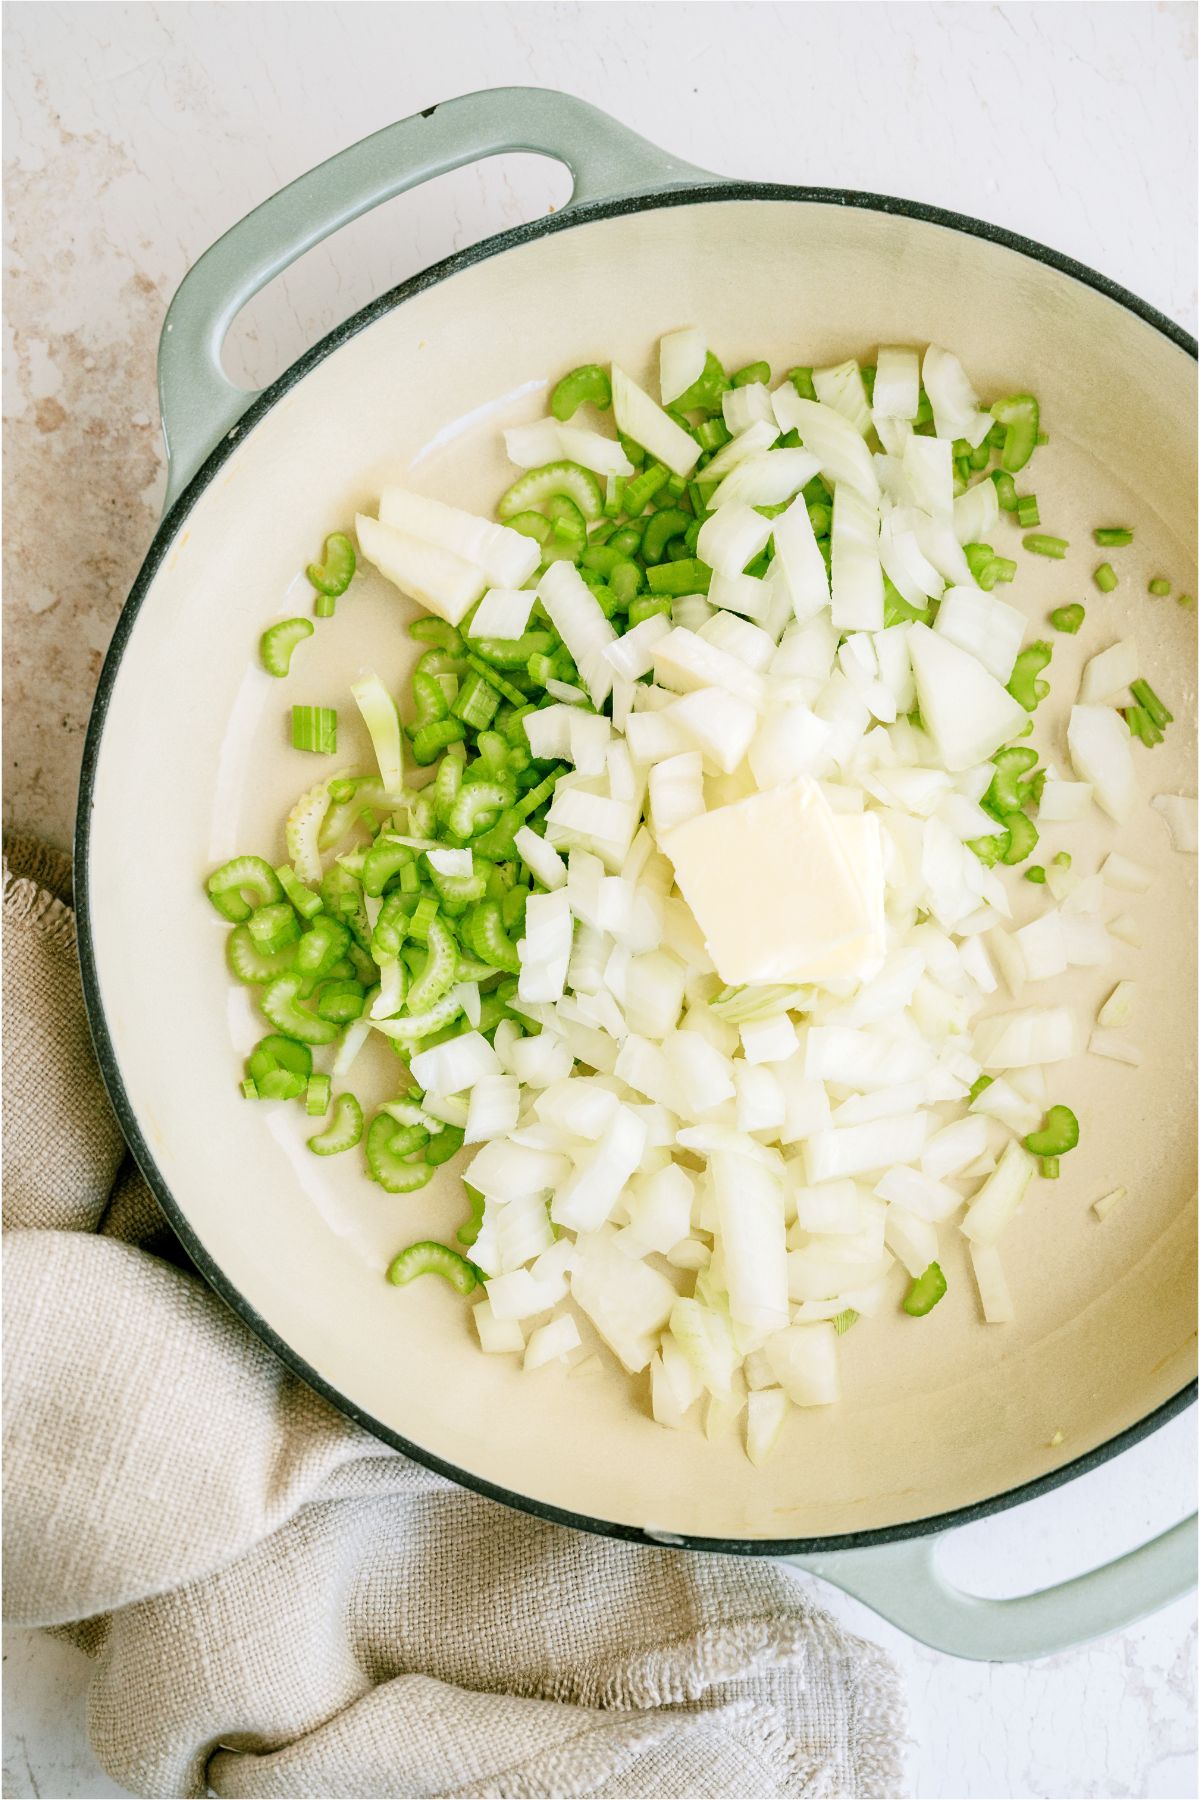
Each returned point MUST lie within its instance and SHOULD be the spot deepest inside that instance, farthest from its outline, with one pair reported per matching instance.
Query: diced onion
(1179, 812)
(856, 576)
(681, 356)
(841, 387)
(1116, 1048)
(1108, 673)
(766, 1414)
(502, 613)
(833, 440)
(804, 1361)
(955, 403)
(1118, 871)
(639, 418)
(897, 383)
(995, 1203)
(994, 1296)
(1063, 802)
(1099, 744)
(746, 406)
(506, 557)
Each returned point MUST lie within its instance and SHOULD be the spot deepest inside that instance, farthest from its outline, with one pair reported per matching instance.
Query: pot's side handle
(606, 160)
(902, 1582)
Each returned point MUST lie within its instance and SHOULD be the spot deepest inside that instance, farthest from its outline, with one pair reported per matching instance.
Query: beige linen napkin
(275, 1603)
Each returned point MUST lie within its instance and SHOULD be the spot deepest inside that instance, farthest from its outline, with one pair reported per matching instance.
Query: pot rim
(168, 528)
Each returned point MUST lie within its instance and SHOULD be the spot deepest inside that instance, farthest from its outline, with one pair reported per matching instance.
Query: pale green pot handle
(901, 1581)
(199, 404)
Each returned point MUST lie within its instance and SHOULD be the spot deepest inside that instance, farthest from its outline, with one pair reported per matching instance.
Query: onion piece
(1099, 744)
(939, 544)
(1035, 1035)
(833, 1209)
(994, 1296)
(732, 537)
(766, 1414)
(440, 581)
(766, 480)
(861, 1149)
(507, 557)
(768, 1040)
(718, 724)
(705, 1337)
(1125, 927)
(551, 1342)
(1118, 1008)
(748, 642)
(750, 1232)
(977, 512)
(746, 595)
(1064, 802)
(837, 446)
(540, 858)
(458, 1064)
(841, 387)
(497, 1336)
(856, 575)
(996, 1202)
(576, 616)
(949, 1151)
(989, 629)
(912, 1240)
(749, 443)
(545, 950)
(507, 1171)
(627, 1301)
(1085, 940)
(586, 1199)
(681, 358)
(928, 467)
(967, 711)
(803, 1360)
(796, 549)
(639, 418)
(897, 383)
(660, 1208)
(746, 406)
(502, 613)
(1118, 871)
(905, 563)
(918, 1194)
(532, 446)
(1105, 1204)
(676, 791)
(1179, 812)
(1003, 1101)
(549, 440)
(1108, 673)
(1043, 947)
(684, 662)
(1116, 1048)
(592, 450)
(631, 655)
(954, 401)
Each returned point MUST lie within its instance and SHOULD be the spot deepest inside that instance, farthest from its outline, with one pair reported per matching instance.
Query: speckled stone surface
(135, 134)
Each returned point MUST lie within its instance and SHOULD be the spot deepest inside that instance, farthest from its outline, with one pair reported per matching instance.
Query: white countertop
(135, 135)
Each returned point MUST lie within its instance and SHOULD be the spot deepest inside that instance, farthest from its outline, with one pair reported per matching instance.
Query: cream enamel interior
(193, 765)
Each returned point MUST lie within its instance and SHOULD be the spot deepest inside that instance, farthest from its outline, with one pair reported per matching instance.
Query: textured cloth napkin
(275, 1603)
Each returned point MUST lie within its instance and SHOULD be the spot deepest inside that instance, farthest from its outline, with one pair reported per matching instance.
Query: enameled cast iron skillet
(940, 1424)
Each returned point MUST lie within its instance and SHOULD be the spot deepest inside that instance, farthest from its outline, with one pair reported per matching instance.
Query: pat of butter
(783, 888)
